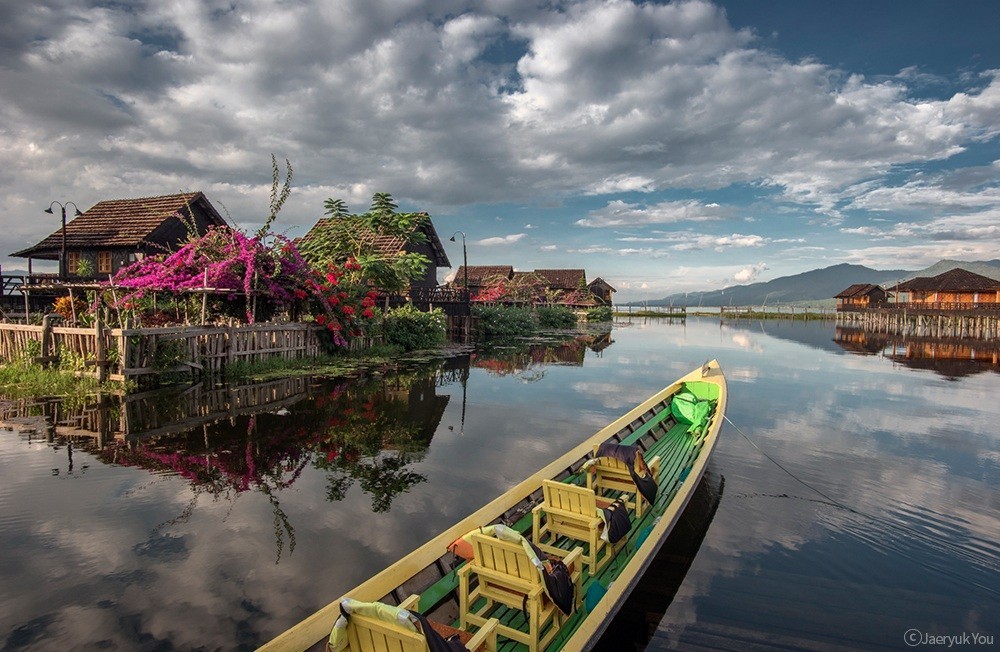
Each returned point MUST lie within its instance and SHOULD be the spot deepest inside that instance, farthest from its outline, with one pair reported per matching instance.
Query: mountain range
(818, 285)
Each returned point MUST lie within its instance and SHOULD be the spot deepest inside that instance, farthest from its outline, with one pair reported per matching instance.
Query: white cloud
(749, 273)
(620, 213)
(622, 184)
(500, 240)
(691, 241)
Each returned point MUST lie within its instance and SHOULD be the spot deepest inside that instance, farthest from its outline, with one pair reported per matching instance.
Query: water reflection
(225, 441)
(156, 523)
(633, 627)
(952, 357)
(529, 361)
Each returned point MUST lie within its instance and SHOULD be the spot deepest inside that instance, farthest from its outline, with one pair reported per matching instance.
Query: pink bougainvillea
(222, 259)
(228, 260)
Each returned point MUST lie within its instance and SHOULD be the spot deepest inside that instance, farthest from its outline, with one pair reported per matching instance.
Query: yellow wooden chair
(574, 512)
(608, 474)
(367, 633)
(507, 576)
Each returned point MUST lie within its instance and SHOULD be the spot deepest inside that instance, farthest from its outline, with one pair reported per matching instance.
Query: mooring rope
(792, 475)
(876, 519)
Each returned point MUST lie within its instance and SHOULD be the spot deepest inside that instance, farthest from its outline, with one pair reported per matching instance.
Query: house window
(104, 262)
(72, 261)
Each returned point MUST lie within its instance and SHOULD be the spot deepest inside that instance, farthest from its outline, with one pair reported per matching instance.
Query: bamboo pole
(204, 297)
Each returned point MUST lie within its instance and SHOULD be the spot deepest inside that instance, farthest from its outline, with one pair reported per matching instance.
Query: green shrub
(412, 329)
(556, 317)
(503, 322)
(602, 313)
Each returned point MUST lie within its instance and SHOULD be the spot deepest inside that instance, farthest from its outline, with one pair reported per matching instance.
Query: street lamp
(465, 259)
(62, 250)
(764, 305)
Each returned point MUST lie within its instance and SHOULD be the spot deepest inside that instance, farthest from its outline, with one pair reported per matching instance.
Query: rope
(792, 475)
(876, 519)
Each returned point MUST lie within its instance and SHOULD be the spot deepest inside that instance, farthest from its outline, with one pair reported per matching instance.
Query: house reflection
(228, 439)
(951, 357)
(534, 356)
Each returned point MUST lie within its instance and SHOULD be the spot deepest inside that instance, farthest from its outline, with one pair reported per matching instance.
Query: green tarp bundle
(692, 407)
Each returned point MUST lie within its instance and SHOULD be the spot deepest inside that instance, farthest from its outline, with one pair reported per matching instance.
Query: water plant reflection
(224, 468)
(373, 432)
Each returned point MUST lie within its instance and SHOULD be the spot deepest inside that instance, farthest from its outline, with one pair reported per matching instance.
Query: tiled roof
(391, 245)
(479, 274)
(857, 290)
(120, 223)
(563, 279)
(954, 280)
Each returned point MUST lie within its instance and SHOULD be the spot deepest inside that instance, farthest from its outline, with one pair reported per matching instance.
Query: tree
(345, 237)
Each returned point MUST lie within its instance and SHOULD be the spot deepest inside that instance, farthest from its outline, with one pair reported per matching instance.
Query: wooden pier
(928, 320)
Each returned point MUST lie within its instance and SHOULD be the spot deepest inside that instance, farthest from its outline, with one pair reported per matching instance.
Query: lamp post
(465, 260)
(62, 250)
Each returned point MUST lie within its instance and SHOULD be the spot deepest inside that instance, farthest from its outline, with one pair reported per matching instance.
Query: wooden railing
(453, 301)
(936, 306)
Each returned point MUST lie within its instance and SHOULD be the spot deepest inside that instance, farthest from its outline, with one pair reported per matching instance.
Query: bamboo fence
(135, 353)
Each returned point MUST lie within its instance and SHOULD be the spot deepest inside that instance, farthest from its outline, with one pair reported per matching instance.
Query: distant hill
(816, 285)
(990, 268)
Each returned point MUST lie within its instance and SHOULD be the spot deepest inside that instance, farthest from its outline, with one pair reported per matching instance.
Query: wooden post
(100, 350)
(45, 357)
(72, 305)
(114, 297)
(253, 314)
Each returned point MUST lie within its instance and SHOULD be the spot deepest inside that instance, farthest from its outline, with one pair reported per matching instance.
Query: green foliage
(503, 323)
(85, 267)
(602, 313)
(169, 354)
(31, 350)
(70, 360)
(18, 381)
(346, 237)
(336, 208)
(411, 329)
(556, 317)
(277, 197)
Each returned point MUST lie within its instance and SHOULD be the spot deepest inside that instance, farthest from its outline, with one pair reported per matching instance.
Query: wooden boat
(434, 582)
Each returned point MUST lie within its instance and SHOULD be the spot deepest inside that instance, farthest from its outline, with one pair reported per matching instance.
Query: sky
(665, 147)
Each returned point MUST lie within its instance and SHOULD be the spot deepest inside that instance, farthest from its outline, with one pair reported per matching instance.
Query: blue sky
(666, 147)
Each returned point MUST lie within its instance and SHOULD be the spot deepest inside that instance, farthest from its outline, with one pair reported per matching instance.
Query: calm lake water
(216, 518)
